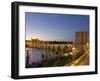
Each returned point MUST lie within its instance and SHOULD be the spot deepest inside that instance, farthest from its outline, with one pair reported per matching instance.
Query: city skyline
(50, 27)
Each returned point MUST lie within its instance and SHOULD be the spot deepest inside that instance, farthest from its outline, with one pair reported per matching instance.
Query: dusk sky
(58, 27)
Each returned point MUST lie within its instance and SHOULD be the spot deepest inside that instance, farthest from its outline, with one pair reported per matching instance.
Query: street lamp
(87, 43)
(73, 51)
(73, 48)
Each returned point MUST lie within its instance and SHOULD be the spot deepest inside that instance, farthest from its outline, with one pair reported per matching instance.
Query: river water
(36, 54)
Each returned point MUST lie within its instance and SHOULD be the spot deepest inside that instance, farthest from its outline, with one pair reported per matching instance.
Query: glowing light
(87, 43)
(73, 48)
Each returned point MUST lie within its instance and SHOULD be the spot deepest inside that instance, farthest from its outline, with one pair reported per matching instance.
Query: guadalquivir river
(36, 54)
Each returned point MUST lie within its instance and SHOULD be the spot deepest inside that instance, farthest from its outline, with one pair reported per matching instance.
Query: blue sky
(59, 27)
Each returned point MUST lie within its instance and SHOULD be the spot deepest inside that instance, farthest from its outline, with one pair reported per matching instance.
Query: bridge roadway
(83, 60)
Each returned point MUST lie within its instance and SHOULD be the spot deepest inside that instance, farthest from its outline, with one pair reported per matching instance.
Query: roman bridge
(50, 45)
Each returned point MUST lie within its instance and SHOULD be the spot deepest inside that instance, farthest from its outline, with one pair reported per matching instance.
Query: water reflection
(34, 56)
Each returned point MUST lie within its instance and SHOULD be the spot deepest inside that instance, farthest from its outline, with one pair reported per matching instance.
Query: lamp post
(86, 46)
(73, 51)
(87, 43)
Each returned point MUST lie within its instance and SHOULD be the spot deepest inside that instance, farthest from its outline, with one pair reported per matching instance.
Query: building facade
(28, 43)
(81, 40)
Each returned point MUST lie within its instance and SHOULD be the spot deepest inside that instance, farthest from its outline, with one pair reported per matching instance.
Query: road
(83, 60)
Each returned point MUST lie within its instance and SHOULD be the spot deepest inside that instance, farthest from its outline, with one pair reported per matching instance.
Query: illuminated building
(81, 40)
(28, 43)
